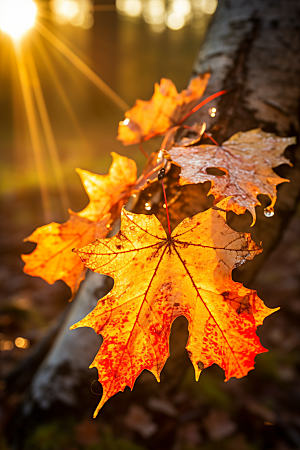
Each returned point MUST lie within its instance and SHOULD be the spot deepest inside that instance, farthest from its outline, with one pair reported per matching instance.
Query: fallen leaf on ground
(219, 425)
(247, 160)
(188, 434)
(260, 410)
(158, 279)
(139, 420)
(163, 406)
(163, 111)
(53, 258)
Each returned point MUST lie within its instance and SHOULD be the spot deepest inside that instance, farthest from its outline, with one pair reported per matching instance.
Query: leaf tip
(253, 219)
(197, 374)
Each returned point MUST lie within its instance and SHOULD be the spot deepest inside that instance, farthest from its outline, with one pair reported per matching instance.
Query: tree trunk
(252, 49)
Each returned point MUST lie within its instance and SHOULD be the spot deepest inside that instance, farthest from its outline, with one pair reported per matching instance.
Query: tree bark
(252, 49)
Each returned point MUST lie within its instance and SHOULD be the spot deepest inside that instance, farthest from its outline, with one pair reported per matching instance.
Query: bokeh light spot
(132, 8)
(209, 6)
(175, 21)
(6, 345)
(22, 343)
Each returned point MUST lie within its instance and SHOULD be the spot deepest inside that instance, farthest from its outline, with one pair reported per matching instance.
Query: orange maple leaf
(247, 160)
(165, 109)
(53, 258)
(158, 279)
(108, 191)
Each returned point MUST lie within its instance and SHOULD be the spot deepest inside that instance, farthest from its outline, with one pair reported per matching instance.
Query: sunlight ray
(33, 130)
(51, 71)
(45, 14)
(48, 132)
(80, 65)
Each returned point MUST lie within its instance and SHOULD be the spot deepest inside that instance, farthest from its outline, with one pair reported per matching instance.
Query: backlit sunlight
(17, 16)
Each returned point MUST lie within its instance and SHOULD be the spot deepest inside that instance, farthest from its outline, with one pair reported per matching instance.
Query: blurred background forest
(130, 47)
(130, 55)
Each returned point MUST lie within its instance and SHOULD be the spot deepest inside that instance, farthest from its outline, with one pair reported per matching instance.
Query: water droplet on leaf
(269, 212)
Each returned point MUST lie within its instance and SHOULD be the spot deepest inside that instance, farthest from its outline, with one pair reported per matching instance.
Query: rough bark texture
(253, 50)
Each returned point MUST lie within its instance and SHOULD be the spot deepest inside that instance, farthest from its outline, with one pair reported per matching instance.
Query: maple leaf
(246, 158)
(106, 191)
(53, 258)
(158, 279)
(163, 111)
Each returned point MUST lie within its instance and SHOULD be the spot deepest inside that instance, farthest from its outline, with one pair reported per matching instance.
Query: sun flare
(17, 16)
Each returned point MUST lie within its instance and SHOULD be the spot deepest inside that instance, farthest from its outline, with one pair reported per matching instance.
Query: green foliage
(60, 435)
(51, 436)
(211, 390)
(109, 442)
(22, 318)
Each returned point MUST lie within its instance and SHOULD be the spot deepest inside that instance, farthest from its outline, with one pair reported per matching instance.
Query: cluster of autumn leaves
(158, 277)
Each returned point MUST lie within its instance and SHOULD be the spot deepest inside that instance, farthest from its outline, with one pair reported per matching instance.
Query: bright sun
(17, 16)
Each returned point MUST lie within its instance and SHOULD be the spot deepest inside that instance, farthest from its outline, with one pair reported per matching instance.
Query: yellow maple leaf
(165, 109)
(53, 258)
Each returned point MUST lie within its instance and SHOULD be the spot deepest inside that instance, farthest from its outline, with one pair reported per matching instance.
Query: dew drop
(212, 112)
(159, 156)
(148, 206)
(269, 212)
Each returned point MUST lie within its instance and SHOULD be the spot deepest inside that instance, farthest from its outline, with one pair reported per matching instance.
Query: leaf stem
(143, 151)
(207, 135)
(211, 97)
(167, 210)
(217, 94)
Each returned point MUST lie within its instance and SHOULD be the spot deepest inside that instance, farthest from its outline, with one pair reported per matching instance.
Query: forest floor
(260, 411)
